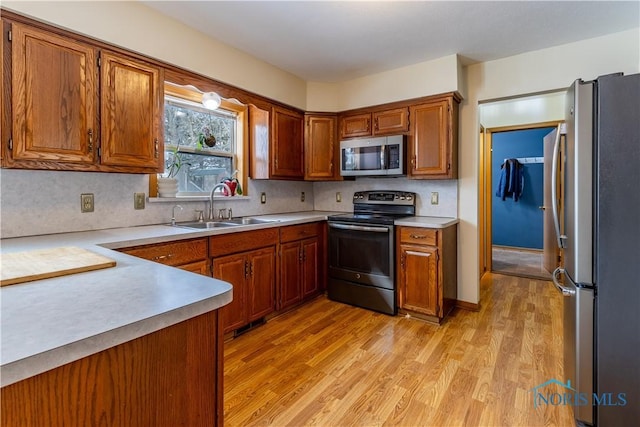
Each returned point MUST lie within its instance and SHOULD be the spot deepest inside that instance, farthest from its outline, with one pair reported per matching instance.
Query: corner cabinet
(321, 148)
(277, 146)
(76, 107)
(426, 271)
(433, 144)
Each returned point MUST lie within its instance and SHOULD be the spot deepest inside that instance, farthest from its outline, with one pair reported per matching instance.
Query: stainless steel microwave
(382, 156)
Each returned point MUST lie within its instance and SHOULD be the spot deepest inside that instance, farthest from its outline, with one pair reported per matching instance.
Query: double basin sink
(225, 223)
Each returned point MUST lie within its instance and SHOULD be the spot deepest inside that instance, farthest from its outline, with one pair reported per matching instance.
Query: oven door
(362, 253)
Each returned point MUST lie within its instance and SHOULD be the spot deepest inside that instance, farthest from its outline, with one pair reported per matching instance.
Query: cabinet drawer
(419, 236)
(227, 244)
(174, 253)
(299, 232)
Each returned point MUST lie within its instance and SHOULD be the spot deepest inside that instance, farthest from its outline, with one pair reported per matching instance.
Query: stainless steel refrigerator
(601, 241)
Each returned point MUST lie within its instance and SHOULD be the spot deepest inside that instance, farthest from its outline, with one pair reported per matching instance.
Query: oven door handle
(358, 228)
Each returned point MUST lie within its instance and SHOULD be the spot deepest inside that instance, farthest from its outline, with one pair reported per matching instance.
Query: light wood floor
(330, 364)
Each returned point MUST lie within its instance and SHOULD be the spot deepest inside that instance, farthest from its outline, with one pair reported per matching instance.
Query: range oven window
(367, 252)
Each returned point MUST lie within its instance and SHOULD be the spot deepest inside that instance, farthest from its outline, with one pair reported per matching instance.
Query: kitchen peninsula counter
(48, 323)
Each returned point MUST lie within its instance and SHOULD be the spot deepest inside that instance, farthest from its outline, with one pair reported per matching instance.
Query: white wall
(134, 26)
(413, 81)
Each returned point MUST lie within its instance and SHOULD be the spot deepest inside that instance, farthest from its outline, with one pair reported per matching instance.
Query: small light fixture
(211, 100)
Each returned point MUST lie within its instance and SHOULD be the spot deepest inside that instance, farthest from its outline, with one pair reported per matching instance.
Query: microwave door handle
(383, 157)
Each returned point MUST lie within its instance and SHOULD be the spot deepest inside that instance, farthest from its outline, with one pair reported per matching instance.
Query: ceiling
(333, 41)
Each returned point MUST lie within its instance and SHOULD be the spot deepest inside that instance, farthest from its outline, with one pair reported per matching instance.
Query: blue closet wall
(518, 224)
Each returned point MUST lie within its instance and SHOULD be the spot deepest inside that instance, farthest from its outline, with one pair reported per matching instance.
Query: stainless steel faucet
(213, 190)
(173, 214)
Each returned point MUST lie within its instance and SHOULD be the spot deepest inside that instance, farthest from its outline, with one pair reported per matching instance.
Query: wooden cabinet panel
(259, 136)
(426, 267)
(173, 253)
(391, 121)
(419, 279)
(200, 267)
(290, 274)
(310, 267)
(433, 149)
(170, 377)
(321, 148)
(302, 231)
(353, 126)
(131, 94)
(287, 159)
(54, 95)
(233, 269)
(262, 282)
(226, 244)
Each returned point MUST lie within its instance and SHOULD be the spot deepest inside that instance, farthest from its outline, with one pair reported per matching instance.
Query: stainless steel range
(362, 250)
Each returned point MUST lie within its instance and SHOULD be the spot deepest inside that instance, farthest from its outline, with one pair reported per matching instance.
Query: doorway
(514, 224)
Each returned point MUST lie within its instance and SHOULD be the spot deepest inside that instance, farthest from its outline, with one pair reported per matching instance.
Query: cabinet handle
(90, 132)
(402, 261)
(246, 269)
(155, 153)
(304, 255)
(375, 124)
(417, 236)
(413, 162)
(300, 255)
(159, 257)
(251, 269)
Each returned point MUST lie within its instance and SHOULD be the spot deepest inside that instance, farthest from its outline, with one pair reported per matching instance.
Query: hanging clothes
(511, 180)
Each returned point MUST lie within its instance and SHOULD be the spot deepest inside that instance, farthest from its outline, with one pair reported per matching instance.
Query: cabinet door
(200, 267)
(419, 279)
(54, 96)
(235, 270)
(391, 121)
(310, 267)
(430, 149)
(320, 148)
(131, 94)
(262, 282)
(287, 159)
(290, 274)
(355, 125)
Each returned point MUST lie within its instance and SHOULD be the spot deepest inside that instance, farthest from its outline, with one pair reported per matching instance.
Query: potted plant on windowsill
(167, 182)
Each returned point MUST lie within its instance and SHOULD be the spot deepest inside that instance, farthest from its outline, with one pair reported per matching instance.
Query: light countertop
(51, 322)
(427, 221)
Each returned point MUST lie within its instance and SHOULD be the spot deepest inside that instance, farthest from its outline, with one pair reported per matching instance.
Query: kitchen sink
(249, 221)
(206, 225)
(225, 223)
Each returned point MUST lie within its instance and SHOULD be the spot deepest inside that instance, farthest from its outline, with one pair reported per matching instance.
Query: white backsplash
(47, 202)
(325, 194)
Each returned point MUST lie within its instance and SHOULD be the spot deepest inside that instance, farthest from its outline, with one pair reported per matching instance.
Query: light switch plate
(338, 197)
(302, 196)
(434, 198)
(263, 198)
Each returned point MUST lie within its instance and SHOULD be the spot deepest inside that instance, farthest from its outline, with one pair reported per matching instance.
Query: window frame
(193, 94)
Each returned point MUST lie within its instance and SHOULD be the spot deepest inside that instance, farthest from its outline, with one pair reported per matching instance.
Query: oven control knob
(357, 275)
(409, 197)
(397, 196)
(402, 198)
(361, 197)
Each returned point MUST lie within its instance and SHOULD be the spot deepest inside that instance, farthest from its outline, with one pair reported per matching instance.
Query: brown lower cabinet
(190, 255)
(427, 271)
(247, 260)
(301, 263)
(171, 377)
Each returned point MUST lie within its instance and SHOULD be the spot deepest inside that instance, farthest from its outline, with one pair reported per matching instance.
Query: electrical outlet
(434, 198)
(138, 201)
(338, 197)
(263, 198)
(86, 202)
(302, 196)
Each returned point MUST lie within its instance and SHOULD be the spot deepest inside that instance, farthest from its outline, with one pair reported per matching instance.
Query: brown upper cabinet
(276, 139)
(56, 87)
(321, 148)
(384, 122)
(433, 147)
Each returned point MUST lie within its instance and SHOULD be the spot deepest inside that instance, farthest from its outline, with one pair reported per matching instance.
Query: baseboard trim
(465, 305)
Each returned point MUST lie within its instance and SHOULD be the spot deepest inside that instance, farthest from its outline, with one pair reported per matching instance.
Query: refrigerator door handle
(554, 189)
(566, 292)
